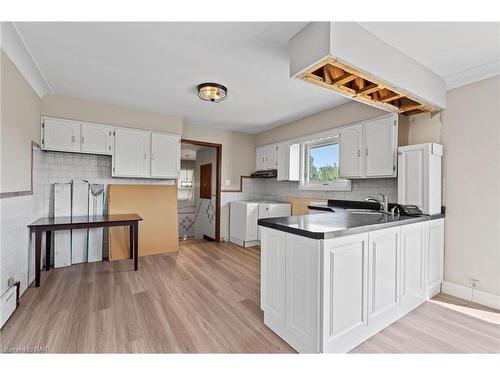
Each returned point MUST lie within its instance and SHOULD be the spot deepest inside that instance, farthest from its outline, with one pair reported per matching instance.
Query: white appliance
(419, 176)
(243, 228)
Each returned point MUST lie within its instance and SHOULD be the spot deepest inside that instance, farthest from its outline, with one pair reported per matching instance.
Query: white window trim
(343, 185)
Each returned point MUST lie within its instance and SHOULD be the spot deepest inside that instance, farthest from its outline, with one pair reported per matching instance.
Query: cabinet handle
(366, 152)
(72, 139)
(359, 153)
(145, 157)
(83, 140)
(152, 156)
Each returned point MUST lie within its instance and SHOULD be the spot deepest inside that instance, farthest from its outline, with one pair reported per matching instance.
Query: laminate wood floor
(205, 299)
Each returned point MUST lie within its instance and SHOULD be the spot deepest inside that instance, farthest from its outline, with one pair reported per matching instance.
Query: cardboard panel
(80, 207)
(299, 205)
(62, 238)
(157, 205)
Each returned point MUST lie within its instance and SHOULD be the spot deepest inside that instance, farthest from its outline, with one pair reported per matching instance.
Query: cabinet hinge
(114, 133)
(113, 169)
(395, 123)
(43, 124)
(43, 141)
(394, 168)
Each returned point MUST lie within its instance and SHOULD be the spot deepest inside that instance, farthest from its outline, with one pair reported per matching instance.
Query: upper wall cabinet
(97, 139)
(75, 136)
(165, 159)
(60, 135)
(350, 151)
(131, 157)
(288, 162)
(266, 157)
(381, 144)
(369, 149)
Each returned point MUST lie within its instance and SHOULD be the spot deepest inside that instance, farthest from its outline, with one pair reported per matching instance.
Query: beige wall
(84, 110)
(341, 115)
(424, 128)
(19, 125)
(238, 151)
(471, 180)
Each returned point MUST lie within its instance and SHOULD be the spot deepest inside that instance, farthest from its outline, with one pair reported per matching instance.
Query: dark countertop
(339, 222)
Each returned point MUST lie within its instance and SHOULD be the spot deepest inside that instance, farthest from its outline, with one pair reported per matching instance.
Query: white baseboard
(474, 295)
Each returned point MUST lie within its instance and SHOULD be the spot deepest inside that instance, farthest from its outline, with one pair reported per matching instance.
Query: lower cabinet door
(383, 276)
(302, 286)
(413, 258)
(345, 293)
(435, 257)
(272, 292)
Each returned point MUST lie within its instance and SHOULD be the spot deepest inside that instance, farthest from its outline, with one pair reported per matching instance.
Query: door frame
(218, 161)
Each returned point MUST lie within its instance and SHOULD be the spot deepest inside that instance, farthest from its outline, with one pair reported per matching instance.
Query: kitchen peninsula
(330, 281)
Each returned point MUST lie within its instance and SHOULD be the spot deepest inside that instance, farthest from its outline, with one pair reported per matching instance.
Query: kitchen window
(320, 166)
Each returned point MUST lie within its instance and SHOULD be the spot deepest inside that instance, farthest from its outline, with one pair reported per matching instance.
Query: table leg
(131, 231)
(48, 240)
(136, 246)
(38, 255)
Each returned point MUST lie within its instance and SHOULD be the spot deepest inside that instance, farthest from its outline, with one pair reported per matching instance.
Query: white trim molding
(472, 75)
(14, 46)
(473, 295)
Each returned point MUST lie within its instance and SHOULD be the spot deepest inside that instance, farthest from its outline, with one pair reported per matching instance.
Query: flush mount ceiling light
(212, 92)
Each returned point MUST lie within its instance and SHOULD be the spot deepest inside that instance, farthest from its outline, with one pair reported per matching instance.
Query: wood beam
(410, 107)
(392, 97)
(344, 79)
(369, 89)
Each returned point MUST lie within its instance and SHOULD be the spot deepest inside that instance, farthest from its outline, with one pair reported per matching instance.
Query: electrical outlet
(228, 182)
(355, 186)
(475, 284)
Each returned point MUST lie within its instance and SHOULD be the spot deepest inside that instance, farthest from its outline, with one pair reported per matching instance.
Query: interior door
(97, 139)
(165, 155)
(350, 151)
(206, 181)
(380, 141)
(60, 135)
(131, 157)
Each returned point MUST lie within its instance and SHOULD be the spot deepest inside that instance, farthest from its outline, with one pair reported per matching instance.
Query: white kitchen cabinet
(419, 176)
(60, 135)
(96, 139)
(288, 162)
(266, 157)
(380, 143)
(302, 287)
(345, 292)
(351, 157)
(273, 277)
(165, 155)
(267, 210)
(260, 158)
(383, 275)
(413, 260)
(435, 257)
(131, 157)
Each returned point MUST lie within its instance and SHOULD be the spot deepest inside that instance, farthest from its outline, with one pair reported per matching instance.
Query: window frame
(341, 184)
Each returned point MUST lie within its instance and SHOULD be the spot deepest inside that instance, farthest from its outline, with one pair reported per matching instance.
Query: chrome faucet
(384, 203)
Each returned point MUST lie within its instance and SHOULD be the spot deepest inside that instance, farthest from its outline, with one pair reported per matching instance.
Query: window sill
(340, 186)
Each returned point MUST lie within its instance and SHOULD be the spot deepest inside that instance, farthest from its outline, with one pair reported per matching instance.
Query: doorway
(199, 190)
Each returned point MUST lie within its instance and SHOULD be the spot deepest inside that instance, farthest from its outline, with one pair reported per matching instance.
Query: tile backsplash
(16, 243)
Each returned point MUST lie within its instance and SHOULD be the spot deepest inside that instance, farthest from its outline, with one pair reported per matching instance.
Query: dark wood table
(50, 224)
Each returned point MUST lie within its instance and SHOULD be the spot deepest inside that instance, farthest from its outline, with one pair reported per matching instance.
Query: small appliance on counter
(243, 216)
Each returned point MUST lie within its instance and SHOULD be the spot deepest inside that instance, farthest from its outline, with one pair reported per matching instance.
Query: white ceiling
(157, 66)
(460, 52)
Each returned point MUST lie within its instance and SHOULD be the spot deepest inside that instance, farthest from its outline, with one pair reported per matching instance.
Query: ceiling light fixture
(212, 92)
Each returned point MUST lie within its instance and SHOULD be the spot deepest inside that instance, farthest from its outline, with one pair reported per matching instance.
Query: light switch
(228, 182)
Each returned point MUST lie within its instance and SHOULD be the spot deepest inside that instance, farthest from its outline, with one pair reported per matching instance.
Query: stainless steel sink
(362, 211)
